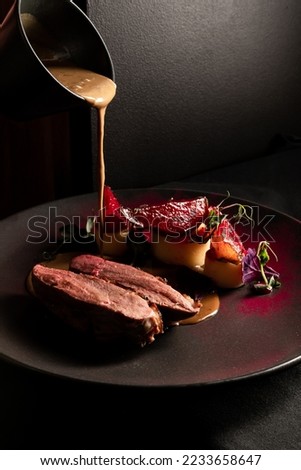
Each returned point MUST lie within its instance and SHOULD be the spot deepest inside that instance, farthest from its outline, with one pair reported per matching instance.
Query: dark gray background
(200, 83)
(242, 62)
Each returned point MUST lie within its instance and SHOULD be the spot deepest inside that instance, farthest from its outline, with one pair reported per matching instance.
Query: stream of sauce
(98, 91)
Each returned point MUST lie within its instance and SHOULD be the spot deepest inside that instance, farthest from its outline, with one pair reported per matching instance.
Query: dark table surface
(40, 411)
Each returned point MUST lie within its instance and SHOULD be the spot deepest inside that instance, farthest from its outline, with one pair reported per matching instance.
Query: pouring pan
(27, 88)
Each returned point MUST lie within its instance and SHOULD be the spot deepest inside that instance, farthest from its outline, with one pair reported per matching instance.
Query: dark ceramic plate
(251, 335)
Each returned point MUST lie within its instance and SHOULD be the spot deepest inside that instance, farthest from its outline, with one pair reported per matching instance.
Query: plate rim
(282, 365)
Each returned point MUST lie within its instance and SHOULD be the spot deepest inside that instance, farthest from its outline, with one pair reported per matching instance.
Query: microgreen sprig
(217, 215)
(242, 212)
(256, 271)
(264, 258)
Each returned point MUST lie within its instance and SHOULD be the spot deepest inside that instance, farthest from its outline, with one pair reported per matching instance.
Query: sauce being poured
(98, 91)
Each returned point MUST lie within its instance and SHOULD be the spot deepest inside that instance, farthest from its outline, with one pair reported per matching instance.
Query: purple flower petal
(251, 268)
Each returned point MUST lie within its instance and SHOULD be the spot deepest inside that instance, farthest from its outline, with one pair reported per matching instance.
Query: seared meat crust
(173, 305)
(96, 306)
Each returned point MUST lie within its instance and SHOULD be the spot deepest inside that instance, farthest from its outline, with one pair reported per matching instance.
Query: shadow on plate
(27, 326)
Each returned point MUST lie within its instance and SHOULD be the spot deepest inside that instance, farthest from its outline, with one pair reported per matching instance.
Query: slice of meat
(173, 217)
(173, 305)
(179, 219)
(96, 306)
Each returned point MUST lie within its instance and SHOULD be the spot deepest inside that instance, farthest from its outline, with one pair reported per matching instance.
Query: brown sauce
(98, 91)
(209, 308)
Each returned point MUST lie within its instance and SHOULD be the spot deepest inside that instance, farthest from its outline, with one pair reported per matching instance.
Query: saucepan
(63, 32)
